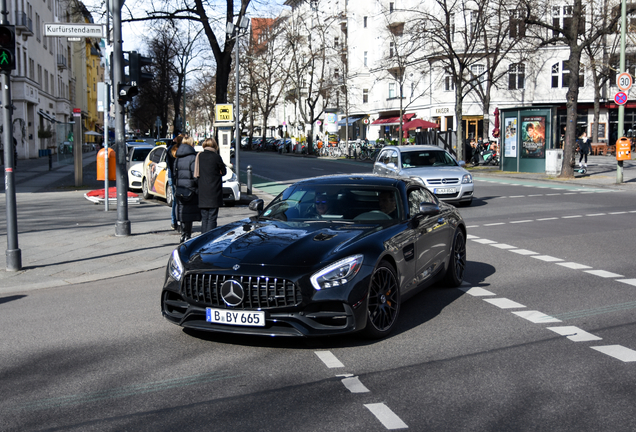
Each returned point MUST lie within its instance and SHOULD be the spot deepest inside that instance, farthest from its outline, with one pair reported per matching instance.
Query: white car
(135, 157)
(154, 179)
(433, 166)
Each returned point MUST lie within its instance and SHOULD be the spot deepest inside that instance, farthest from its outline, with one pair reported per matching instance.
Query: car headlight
(467, 178)
(232, 178)
(338, 273)
(135, 173)
(175, 268)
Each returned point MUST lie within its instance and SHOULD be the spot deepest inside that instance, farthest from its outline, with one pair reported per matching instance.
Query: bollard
(249, 180)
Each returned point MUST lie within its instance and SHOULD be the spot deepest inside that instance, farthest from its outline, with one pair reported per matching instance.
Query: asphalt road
(541, 337)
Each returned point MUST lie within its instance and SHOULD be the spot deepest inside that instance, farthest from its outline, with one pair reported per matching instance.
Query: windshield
(139, 154)
(336, 203)
(427, 158)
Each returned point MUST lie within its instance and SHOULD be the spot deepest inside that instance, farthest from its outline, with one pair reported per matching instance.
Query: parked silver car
(434, 166)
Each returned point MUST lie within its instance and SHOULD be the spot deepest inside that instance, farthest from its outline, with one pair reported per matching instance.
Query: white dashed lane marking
(354, 385)
(572, 333)
(617, 351)
(504, 303)
(329, 359)
(575, 334)
(386, 416)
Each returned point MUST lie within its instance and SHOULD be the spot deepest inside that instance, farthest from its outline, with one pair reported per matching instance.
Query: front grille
(260, 292)
(441, 182)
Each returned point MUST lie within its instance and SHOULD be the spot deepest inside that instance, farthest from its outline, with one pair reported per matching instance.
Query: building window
(365, 96)
(517, 25)
(562, 17)
(365, 58)
(364, 20)
(391, 49)
(564, 74)
(474, 23)
(449, 84)
(451, 24)
(478, 74)
(391, 7)
(392, 90)
(516, 76)
(336, 42)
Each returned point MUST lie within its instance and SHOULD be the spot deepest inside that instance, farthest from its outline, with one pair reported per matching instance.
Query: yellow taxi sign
(224, 113)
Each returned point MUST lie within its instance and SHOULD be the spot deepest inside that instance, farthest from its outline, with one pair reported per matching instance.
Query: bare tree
(451, 34)
(266, 68)
(567, 26)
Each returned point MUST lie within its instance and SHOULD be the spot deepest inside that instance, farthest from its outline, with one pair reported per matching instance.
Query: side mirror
(427, 209)
(162, 165)
(462, 163)
(257, 205)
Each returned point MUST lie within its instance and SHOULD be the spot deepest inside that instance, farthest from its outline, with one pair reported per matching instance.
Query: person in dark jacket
(185, 182)
(170, 158)
(210, 170)
(584, 149)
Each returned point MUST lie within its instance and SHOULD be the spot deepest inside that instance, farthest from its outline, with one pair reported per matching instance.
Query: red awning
(392, 121)
(414, 124)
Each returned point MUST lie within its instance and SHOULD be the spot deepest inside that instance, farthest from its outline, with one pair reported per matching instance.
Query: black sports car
(329, 255)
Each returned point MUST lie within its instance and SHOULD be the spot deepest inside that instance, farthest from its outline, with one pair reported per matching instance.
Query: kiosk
(526, 136)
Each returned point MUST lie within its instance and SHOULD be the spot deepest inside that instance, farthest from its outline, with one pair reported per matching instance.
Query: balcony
(23, 25)
(61, 62)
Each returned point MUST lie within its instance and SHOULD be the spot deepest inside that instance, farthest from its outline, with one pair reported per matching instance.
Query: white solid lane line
(504, 303)
(536, 317)
(618, 352)
(354, 385)
(329, 359)
(387, 417)
(575, 334)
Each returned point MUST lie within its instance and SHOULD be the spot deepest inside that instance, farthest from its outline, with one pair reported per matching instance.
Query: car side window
(156, 156)
(393, 158)
(418, 196)
(383, 157)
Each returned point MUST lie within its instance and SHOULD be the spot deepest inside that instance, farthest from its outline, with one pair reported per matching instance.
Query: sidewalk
(65, 239)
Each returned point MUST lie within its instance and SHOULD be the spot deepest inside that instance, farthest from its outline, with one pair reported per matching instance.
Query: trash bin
(101, 164)
(553, 161)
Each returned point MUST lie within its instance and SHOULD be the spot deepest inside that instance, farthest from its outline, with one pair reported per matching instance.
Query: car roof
(359, 180)
(403, 149)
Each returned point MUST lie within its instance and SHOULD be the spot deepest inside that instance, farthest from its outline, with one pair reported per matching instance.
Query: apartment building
(377, 72)
(53, 75)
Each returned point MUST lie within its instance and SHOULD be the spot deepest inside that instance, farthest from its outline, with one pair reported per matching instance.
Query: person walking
(584, 149)
(209, 170)
(186, 187)
(170, 158)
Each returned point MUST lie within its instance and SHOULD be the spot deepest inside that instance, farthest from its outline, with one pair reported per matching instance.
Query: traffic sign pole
(13, 252)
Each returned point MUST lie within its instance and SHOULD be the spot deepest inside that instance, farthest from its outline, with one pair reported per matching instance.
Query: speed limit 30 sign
(624, 81)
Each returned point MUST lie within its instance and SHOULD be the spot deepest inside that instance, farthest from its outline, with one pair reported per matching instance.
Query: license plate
(235, 317)
(442, 191)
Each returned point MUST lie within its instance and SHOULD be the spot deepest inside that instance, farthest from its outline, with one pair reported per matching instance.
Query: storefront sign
(442, 110)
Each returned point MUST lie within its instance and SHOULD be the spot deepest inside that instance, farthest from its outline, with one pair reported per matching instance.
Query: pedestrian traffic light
(135, 70)
(7, 47)
(125, 93)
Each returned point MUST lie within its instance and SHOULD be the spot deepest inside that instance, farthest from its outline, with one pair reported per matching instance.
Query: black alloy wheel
(384, 302)
(144, 189)
(457, 263)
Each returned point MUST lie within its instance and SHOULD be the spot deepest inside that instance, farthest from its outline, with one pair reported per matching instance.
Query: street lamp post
(234, 31)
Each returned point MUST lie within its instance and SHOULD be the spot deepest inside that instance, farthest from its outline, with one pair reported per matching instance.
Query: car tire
(144, 189)
(457, 263)
(169, 196)
(384, 302)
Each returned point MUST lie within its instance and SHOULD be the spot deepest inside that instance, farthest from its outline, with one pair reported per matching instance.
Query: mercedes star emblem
(232, 292)
(236, 267)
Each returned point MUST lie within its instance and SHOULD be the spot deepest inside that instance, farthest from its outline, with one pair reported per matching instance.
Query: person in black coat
(210, 170)
(185, 182)
(170, 158)
(584, 148)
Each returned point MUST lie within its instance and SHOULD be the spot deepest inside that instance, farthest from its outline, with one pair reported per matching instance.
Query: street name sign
(74, 30)
(624, 81)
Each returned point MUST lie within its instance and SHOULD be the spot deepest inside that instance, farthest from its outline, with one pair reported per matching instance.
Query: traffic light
(136, 62)
(125, 93)
(7, 47)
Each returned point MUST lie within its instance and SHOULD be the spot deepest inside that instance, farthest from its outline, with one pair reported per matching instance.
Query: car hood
(434, 172)
(273, 243)
(138, 166)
